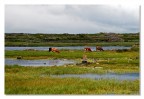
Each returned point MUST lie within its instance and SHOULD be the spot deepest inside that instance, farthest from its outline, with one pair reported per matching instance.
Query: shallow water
(125, 76)
(42, 62)
(68, 47)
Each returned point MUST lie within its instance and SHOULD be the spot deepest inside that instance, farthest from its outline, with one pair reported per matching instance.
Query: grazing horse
(54, 50)
(87, 49)
(99, 48)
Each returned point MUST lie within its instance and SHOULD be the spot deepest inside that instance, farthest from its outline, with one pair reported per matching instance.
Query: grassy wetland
(39, 80)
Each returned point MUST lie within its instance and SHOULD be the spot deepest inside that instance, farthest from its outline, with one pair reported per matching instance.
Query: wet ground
(125, 76)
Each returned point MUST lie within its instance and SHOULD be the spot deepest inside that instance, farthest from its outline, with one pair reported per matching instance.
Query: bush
(135, 47)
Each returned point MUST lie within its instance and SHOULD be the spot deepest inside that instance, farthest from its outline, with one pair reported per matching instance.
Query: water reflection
(125, 76)
(42, 62)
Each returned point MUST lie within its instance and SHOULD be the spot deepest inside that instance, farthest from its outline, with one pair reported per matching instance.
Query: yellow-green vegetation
(69, 44)
(37, 80)
(109, 60)
(71, 54)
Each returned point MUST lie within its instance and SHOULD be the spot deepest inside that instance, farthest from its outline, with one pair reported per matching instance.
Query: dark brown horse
(87, 49)
(99, 48)
(54, 50)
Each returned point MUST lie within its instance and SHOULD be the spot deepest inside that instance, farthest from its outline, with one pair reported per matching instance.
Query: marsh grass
(71, 54)
(37, 80)
(108, 60)
(72, 86)
(30, 80)
(69, 44)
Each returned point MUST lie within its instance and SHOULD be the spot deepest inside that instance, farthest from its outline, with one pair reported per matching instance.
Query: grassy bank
(71, 54)
(58, 44)
(31, 80)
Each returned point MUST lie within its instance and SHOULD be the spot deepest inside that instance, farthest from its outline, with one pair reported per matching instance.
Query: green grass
(71, 54)
(30, 80)
(37, 80)
(108, 60)
(69, 44)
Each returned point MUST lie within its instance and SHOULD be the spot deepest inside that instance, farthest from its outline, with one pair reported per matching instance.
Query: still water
(42, 62)
(58, 62)
(125, 76)
(68, 47)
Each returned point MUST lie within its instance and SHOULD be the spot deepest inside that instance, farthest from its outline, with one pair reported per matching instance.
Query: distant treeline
(16, 39)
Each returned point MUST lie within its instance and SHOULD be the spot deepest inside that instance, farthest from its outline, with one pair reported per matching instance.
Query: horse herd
(51, 49)
(98, 48)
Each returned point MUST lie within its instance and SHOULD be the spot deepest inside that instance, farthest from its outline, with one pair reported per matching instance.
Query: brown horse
(54, 50)
(87, 49)
(99, 48)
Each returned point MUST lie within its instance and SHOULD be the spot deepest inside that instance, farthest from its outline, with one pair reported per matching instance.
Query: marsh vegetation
(40, 80)
(65, 39)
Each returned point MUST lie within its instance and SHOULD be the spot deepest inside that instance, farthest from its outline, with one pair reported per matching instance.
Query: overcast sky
(71, 18)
